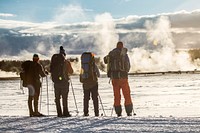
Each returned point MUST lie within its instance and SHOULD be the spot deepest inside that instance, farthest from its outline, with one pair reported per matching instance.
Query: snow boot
(118, 110)
(85, 114)
(66, 113)
(129, 109)
(37, 113)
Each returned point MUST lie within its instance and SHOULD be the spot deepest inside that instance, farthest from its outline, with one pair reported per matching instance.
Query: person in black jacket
(61, 82)
(33, 83)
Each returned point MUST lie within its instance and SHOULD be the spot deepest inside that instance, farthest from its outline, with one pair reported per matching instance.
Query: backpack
(25, 72)
(88, 73)
(117, 62)
(57, 67)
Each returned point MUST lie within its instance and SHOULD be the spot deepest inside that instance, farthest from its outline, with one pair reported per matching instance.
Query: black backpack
(57, 67)
(25, 72)
(88, 73)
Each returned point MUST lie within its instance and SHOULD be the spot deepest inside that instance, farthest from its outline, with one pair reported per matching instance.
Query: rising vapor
(153, 41)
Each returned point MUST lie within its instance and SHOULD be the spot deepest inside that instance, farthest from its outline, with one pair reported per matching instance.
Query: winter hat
(35, 57)
(62, 51)
(120, 45)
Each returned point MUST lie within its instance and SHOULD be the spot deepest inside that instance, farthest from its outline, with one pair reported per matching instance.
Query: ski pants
(94, 93)
(119, 84)
(61, 90)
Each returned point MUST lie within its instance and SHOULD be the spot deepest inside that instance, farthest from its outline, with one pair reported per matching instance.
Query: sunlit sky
(86, 10)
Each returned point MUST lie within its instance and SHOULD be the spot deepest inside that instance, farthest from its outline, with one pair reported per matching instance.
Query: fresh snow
(163, 103)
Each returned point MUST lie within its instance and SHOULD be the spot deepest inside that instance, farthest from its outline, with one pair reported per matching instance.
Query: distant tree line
(15, 66)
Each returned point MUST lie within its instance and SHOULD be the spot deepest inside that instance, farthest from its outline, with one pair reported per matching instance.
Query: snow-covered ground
(163, 103)
(101, 124)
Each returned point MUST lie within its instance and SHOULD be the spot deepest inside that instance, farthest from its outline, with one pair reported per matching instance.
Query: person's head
(120, 45)
(62, 51)
(35, 58)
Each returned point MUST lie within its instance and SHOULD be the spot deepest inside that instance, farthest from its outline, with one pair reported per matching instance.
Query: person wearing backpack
(60, 69)
(33, 74)
(118, 66)
(88, 76)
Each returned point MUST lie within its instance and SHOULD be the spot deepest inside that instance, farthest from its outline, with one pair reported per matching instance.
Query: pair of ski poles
(76, 103)
(48, 96)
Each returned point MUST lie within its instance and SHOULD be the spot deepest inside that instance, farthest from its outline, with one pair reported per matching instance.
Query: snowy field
(163, 103)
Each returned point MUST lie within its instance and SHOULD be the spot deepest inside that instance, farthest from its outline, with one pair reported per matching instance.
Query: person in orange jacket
(118, 68)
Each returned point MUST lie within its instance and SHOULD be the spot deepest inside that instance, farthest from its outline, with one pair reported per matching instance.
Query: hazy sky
(86, 10)
(33, 26)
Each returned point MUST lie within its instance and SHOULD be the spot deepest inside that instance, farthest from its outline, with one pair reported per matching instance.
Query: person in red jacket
(118, 68)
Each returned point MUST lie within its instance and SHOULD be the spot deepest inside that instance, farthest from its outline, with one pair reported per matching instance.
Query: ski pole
(133, 111)
(41, 96)
(74, 96)
(47, 95)
(102, 105)
(21, 87)
(112, 111)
